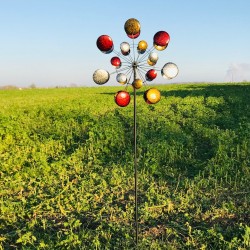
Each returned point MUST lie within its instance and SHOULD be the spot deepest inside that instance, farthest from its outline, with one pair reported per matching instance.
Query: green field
(67, 177)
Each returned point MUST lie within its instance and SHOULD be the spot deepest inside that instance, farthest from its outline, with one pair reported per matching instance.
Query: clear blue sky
(53, 42)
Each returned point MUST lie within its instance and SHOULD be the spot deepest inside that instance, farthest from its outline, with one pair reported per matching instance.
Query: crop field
(67, 173)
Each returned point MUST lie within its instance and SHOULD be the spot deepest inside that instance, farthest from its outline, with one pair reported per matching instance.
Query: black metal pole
(135, 161)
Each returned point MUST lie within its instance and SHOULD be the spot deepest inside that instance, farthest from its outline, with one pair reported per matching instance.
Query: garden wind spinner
(134, 65)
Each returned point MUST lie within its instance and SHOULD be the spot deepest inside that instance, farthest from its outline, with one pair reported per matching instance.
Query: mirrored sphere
(132, 28)
(152, 96)
(116, 62)
(121, 78)
(151, 75)
(169, 70)
(122, 98)
(125, 48)
(161, 40)
(137, 83)
(153, 57)
(142, 47)
(105, 44)
(100, 76)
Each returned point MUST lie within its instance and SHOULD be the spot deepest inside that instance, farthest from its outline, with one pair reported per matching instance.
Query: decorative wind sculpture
(134, 65)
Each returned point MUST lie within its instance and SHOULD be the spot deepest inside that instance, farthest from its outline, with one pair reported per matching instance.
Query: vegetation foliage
(66, 169)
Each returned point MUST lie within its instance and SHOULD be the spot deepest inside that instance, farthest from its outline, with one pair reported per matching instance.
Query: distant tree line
(9, 87)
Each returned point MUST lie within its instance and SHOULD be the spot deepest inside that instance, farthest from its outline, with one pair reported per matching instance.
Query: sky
(53, 42)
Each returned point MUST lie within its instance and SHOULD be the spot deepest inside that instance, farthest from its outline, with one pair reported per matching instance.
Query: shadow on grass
(194, 146)
(214, 90)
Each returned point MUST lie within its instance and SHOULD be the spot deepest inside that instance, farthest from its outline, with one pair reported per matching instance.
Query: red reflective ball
(161, 38)
(105, 44)
(122, 98)
(151, 75)
(116, 62)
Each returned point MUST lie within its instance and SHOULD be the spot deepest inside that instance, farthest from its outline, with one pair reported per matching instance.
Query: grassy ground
(66, 169)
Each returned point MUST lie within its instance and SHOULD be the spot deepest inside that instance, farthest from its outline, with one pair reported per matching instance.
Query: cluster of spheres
(140, 66)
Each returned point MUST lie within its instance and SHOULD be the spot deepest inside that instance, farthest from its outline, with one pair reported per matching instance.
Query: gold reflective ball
(137, 83)
(132, 26)
(152, 96)
(142, 45)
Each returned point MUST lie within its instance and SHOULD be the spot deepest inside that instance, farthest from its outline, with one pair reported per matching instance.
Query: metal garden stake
(134, 60)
